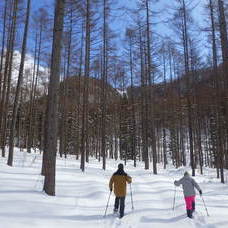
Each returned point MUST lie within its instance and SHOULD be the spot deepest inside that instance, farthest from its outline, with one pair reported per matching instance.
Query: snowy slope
(28, 69)
(81, 197)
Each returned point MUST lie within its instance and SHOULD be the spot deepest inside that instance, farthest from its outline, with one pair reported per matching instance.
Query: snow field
(81, 198)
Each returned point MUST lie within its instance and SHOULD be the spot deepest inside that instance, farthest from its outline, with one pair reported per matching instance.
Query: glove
(110, 189)
(200, 192)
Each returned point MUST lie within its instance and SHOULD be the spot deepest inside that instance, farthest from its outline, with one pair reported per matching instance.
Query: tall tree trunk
(132, 125)
(104, 81)
(7, 72)
(28, 141)
(187, 72)
(224, 45)
(69, 46)
(33, 98)
(151, 82)
(143, 104)
(50, 148)
(18, 89)
(3, 45)
(79, 94)
(85, 88)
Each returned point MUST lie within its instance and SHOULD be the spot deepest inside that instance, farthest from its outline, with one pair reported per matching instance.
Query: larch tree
(3, 43)
(104, 81)
(182, 21)
(130, 38)
(40, 22)
(18, 89)
(50, 145)
(85, 85)
(224, 46)
(12, 23)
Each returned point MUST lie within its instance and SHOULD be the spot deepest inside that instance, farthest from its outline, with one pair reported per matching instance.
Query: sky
(121, 18)
(164, 8)
(41, 3)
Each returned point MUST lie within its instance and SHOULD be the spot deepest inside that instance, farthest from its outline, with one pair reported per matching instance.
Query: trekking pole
(204, 205)
(174, 198)
(132, 206)
(107, 203)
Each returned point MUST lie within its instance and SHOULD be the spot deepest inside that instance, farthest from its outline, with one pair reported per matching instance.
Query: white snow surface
(81, 198)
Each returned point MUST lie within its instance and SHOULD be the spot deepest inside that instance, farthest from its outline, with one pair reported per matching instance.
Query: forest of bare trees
(141, 95)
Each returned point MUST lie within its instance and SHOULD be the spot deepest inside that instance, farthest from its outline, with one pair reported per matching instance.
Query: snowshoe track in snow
(81, 198)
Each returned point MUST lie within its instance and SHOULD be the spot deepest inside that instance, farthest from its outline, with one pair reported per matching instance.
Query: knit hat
(186, 174)
(120, 166)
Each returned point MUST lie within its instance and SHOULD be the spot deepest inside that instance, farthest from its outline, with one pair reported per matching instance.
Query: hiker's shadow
(168, 220)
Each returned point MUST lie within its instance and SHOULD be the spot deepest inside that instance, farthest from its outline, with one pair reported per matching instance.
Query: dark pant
(193, 206)
(120, 201)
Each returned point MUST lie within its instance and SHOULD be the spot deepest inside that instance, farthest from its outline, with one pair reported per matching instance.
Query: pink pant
(188, 201)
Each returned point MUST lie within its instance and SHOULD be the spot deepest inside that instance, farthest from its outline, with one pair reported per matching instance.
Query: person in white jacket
(189, 185)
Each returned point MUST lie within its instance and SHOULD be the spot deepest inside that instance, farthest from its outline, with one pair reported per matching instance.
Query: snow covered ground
(81, 197)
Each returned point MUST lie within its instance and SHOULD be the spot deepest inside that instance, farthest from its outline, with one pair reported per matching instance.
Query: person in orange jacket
(119, 180)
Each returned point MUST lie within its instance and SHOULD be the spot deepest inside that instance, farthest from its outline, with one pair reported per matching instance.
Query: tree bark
(18, 89)
(52, 108)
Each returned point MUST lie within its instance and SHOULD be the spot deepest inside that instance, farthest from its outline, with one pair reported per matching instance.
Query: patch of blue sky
(163, 11)
(121, 18)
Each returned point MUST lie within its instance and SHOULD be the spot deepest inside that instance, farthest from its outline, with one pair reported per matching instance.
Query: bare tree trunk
(79, 94)
(104, 85)
(18, 89)
(223, 32)
(133, 127)
(164, 143)
(144, 104)
(7, 73)
(187, 71)
(85, 88)
(69, 46)
(224, 45)
(3, 45)
(52, 108)
(33, 98)
(151, 110)
(28, 141)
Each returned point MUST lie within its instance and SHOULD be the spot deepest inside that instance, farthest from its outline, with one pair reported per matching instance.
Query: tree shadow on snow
(157, 220)
(82, 217)
(54, 217)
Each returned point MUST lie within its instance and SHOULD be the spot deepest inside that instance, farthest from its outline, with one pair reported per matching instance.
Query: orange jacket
(119, 180)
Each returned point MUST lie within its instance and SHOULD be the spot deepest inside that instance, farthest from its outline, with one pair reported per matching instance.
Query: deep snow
(81, 197)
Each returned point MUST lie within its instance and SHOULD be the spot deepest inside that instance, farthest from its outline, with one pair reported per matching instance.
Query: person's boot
(189, 213)
(121, 216)
(115, 210)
